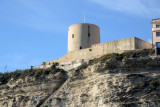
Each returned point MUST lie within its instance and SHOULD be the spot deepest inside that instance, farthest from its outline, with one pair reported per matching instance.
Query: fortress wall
(140, 44)
(72, 56)
(113, 46)
(97, 50)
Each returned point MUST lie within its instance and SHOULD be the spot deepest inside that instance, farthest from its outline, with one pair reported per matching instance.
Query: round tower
(82, 36)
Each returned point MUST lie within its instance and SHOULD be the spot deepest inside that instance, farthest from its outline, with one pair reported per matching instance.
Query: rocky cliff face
(32, 89)
(110, 90)
(131, 79)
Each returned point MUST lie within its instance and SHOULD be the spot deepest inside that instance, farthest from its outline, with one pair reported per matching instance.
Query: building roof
(156, 19)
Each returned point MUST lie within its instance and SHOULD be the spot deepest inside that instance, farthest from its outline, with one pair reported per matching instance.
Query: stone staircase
(46, 102)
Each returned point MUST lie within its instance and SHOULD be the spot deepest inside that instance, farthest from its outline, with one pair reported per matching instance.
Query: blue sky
(33, 31)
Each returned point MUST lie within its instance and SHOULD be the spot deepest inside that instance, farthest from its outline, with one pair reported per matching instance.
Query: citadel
(84, 45)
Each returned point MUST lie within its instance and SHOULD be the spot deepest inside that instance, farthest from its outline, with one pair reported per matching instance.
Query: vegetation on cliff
(24, 88)
(126, 55)
(119, 80)
(131, 60)
(21, 74)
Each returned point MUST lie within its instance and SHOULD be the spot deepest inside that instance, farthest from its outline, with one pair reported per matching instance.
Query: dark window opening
(88, 29)
(90, 49)
(72, 35)
(157, 33)
(158, 51)
(49, 63)
(80, 47)
(88, 34)
(157, 26)
(157, 44)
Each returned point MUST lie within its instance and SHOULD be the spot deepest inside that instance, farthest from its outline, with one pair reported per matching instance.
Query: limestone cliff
(131, 79)
(29, 88)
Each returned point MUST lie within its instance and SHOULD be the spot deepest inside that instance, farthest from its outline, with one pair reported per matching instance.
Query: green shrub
(84, 66)
(53, 67)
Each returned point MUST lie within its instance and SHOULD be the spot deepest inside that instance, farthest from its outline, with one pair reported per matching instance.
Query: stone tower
(155, 32)
(83, 35)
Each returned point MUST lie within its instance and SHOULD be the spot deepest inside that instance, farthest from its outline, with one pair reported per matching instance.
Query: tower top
(82, 35)
(83, 24)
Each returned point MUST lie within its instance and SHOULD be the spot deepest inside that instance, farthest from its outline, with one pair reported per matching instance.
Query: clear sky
(33, 31)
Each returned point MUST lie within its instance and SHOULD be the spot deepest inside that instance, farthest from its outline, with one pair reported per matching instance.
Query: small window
(80, 47)
(157, 44)
(49, 64)
(88, 34)
(157, 33)
(90, 49)
(157, 26)
(88, 29)
(72, 35)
